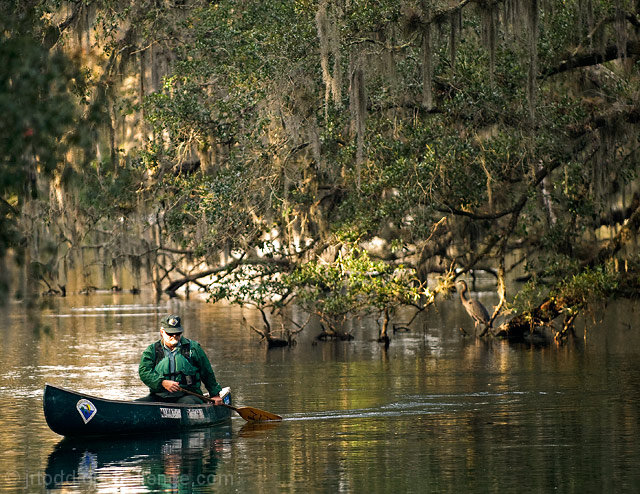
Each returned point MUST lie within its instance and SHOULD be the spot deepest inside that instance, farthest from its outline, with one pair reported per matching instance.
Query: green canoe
(74, 414)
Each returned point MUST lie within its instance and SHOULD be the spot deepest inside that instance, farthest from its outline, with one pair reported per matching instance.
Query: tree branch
(176, 284)
(552, 306)
(8, 206)
(443, 13)
(54, 33)
(611, 52)
(537, 179)
(629, 228)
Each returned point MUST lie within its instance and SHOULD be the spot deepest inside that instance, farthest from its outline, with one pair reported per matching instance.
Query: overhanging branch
(611, 52)
(176, 284)
(516, 208)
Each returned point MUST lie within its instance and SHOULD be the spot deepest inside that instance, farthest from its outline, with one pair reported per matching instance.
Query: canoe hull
(74, 414)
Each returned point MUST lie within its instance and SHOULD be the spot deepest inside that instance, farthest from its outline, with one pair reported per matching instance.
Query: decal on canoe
(86, 409)
(170, 413)
(195, 414)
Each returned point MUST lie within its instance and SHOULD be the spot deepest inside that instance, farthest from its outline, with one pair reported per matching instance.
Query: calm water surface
(437, 412)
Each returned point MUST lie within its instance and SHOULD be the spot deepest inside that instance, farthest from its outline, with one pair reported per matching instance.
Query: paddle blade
(247, 413)
(256, 415)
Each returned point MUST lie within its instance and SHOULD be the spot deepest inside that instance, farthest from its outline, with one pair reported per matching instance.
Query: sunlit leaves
(208, 214)
(255, 135)
(353, 283)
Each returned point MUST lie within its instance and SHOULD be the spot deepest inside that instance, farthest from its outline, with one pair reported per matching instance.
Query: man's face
(170, 340)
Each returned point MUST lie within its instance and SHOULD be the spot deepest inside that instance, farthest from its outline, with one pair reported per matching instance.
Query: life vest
(186, 373)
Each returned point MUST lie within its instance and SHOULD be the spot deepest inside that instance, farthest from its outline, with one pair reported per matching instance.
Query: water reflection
(435, 412)
(257, 429)
(158, 463)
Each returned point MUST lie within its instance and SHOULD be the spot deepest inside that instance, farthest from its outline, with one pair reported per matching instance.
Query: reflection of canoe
(190, 456)
(74, 414)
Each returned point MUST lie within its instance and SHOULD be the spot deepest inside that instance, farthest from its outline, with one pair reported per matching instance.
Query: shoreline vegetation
(350, 157)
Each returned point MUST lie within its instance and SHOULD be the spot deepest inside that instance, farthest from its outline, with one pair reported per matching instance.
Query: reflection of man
(174, 362)
(184, 464)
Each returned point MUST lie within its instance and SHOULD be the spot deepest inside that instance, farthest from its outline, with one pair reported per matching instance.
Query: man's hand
(216, 400)
(171, 386)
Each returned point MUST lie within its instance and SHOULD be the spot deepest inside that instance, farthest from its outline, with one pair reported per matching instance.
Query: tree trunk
(383, 337)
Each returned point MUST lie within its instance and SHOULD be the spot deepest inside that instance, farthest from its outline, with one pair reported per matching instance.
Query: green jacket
(192, 367)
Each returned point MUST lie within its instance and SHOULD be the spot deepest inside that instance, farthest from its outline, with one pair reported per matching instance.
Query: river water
(436, 412)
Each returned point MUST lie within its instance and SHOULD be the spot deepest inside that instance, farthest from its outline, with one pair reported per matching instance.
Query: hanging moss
(621, 31)
(328, 35)
(427, 68)
(585, 20)
(531, 13)
(489, 28)
(455, 20)
(358, 107)
(322, 24)
(388, 61)
(334, 45)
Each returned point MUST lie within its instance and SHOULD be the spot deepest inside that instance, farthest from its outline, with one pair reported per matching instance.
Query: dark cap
(171, 324)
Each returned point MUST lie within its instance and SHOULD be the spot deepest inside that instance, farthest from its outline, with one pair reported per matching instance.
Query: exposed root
(333, 334)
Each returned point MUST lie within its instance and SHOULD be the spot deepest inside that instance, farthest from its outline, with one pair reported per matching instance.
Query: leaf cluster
(351, 284)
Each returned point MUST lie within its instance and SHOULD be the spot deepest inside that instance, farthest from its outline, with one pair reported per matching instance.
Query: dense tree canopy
(42, 95)
(270, 142)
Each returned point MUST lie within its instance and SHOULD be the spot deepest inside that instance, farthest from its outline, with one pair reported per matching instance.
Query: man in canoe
(174, 362)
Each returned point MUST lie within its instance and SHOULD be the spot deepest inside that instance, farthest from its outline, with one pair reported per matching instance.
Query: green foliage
(309, 126)
(352, 284)
(102, 192)
(588, 286)
(576, 291)
(40, 93)
(206, 213)
(256, 284)
(479, 153)
(37, 101)
(529, 296)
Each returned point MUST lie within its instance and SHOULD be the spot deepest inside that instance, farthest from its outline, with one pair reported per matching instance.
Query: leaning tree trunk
(540, 316)
(552, 307)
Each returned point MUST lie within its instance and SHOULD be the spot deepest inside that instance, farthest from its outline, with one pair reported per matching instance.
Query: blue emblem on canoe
(86, 409)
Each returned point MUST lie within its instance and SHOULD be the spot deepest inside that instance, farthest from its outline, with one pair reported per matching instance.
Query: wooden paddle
(247, 413)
